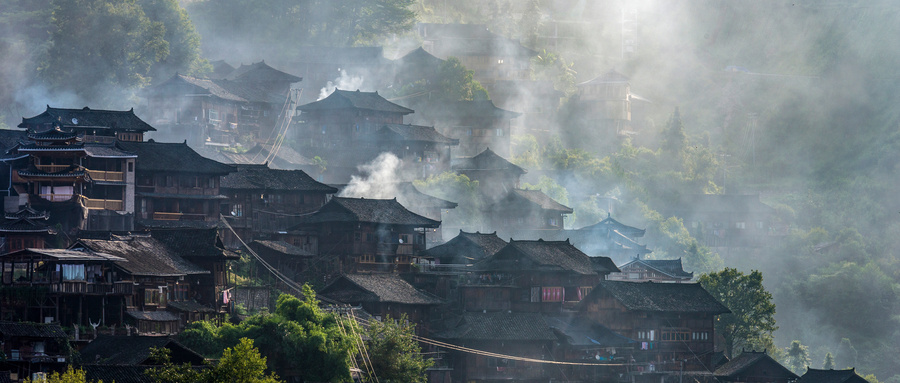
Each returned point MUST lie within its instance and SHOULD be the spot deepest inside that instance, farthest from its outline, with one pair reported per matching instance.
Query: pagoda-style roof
(668, 267)
(500, 326)
(759, 365)
(661, 297)
(418, 133)
(487, 161)
(371, 288)
(87, 118)
(611, 77)
(106, 151)
(26, 225)
(345, 99)
(53, 134)
(813, 375)
(541, 255)
(363, 210)
(611, 225)
(145, 256)
(261, 73)
(27, 212)
(172, 158)
(466, 248)
(535, 198)
(261, 177)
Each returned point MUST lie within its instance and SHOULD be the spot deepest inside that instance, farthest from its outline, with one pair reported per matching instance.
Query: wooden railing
(57, 197)
(52, 168)
(162, 216)
(102, 175)
(103, 204)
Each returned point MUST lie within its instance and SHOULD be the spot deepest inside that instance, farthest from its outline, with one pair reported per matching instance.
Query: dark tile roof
(400, 132)
(662, 297)
(538, 198)
(25, 225)
(774, 371)
(261, 72)
(603, 265)
(133, 350)
(466, 248)
(193, 243)
(419, 58)
(116, 373)
(580, 331)
(476, 108)
(500, 326)
(32, 330)
(487, 160)
(153, 316)
(813, 375)
(28, 212)
(172, 158)
(282, 247)
(406, 193)
(383, 211)
(345, 99)
(539, 255)
(87, 117)
(190, 307)
(168, 224)
(261, 177)
(390, 288)
(145, 256)
(284, 158)
(10, 138)
(234, 91)
(607, 78)
(220, 69)
(669, 267)
(611, 225)
(106, 151)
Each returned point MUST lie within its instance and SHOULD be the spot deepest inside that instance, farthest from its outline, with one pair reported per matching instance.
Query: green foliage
(828, 363)
(395, 355)
(71, 375)
(752, 311)
(798, 357)
(674, 138)
(846, 355)
(239, 364)
(456, 83)
(549, 66)
(460, 189)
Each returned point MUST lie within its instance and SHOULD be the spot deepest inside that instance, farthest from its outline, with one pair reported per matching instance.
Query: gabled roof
(172, 158)
(609, 225)
(541, 255)
(282, 247)
(813, 375)
(407, 194)
(611, 77)
(381, 211)
(345, 99)
(89, 118)
(487, 160)
(106, 151)
(145, 255)
(473, 108)
(772, 370)
(10, 138)
(220, 69)
(534, 197)
(669, 267)
(661, 297)
(500, 326)
(467, 248)
(261, 177)
(420, 58)
(261, 72)
(388, 288)
(135, 350)
(69, 255)
(194, 243)
(418, 133)
(28, 212)
(31, 330)
(236, 91)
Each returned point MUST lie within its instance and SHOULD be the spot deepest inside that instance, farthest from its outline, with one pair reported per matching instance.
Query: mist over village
(455, 191)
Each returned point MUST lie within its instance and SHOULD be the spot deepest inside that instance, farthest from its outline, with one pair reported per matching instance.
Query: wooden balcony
(162, 216)
(102, 175)
(57, 197)
(92, 288)
(103, 204)
(53, 168)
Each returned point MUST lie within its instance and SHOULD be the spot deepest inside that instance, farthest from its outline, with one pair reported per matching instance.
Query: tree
(828, 364)
(456, 83)
(395, 355)
(798, 357)
(846, 355)
(752, 311)
(240, 364)
(673, 137)
(71, 375)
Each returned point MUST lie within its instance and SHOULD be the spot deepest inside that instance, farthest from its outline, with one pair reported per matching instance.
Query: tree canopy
(394, 354)
(752, 314)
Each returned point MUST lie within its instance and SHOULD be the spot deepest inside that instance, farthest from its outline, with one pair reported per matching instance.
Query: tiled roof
(193, 243)
(284, 158)
(500, 326)
(377, 288)
(414, 133)
(813, 375)
(769, 367)
(345, 99)
(131, 350)
(32, 330)
(661, 297)
(406, 193)
(87, 117)
(190, 307)
(145, 256)
(475, 108)
(261, 72)
(282, 247)
(467, 248)
(76, 255)
(418, 58)
(261, 177)
(539, 255)
(28, 212)
(538, 198)
(10, 138)
(153, 316)
(609, 224)
(603, 264)
(487, 160)
(25, 225)
(106, 151)
(172, 158)
(220, 69)
(383, 211)
(670, 267)
(116, 373)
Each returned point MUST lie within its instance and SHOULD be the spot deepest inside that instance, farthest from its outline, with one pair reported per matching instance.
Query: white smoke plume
(378, 179)
(345, 82)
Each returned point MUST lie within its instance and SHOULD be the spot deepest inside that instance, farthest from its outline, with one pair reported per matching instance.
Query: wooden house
(26, 228)
(608, 97)
(728, 220)
(90, 125)
(527, 214)
(532, 276)
(175, 186)
(582, 340)
(477, 124)
(263, 202)
(290, 260)
(611, 238)
(656, 270)
(416, 65)
(28, 347)
(831, 376)
(751, 366)
(495, 175)
(672, 321)
(464, 249)
(136, 350)
(384, 296)
(360, 234)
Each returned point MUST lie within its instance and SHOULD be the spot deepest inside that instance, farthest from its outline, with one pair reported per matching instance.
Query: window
(552, 294)
(646, 334)
(583, 291)
(237, 210)
(357, 236)
(499, 132)
(213, 115)
(367, 258)
(740, 225)
(700, 335)
(674, 335)
(130, 167)
(553, 222)
(759, 225)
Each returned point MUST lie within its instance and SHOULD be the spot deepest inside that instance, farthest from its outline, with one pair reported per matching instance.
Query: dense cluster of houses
(112, 242)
